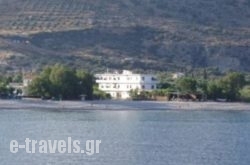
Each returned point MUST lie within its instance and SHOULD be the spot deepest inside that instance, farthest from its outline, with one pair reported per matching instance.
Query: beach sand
(33, 104)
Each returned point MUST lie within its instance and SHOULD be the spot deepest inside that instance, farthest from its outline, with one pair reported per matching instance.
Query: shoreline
(117, 105)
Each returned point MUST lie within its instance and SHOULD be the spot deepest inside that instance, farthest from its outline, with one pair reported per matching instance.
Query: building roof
(124, 72)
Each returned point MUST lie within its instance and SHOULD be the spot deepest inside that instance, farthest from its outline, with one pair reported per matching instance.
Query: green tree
(214, 91)
(18, 78)
(245, 93)
(86, 81)
(39, 87)
(4, 89)
(231, 85)
(186, 85)
(205, 76)
(61, 82)
(64, 83)
(134, 94)
(99, 94)
(202, 86)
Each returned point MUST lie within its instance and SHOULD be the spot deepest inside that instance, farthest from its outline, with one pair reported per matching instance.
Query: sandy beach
(29, 104)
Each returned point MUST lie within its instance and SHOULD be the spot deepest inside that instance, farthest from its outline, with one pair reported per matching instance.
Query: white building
(27, 79)
(118, 85)
(178, 75)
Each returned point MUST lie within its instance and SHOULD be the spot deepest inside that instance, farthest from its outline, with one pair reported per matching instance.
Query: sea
(130, 137)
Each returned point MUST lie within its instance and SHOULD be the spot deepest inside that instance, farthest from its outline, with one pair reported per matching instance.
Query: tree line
(57, 82)
(231, 87)
(61, 82)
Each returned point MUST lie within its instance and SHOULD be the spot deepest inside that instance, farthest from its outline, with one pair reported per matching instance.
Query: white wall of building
(119, 85)
(178, 75)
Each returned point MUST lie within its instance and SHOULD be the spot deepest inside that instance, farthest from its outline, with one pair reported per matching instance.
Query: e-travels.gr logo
(56, 146)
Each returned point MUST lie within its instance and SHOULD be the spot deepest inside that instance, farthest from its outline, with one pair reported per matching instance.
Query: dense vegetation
(231, 87)
(7, 91)
(4, 90)
(61, 82)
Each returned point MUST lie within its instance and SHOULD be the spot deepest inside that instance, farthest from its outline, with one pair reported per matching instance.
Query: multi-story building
(118, 85)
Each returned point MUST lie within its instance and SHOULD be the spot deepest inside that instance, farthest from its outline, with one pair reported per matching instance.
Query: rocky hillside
(131, 34)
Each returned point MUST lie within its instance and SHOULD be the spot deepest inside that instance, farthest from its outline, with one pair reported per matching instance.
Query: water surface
(152, 137)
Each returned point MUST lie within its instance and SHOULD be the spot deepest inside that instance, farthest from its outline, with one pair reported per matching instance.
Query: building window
(143, 78)
(152, 87)
(143, 86)
(153, 79)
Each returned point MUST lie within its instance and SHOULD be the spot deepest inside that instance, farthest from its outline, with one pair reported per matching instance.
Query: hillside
(132, 34)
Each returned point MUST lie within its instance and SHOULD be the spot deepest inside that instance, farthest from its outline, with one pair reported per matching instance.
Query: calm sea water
(132, 137)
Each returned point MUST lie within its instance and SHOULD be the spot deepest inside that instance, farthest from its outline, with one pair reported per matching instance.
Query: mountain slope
(132, 34)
